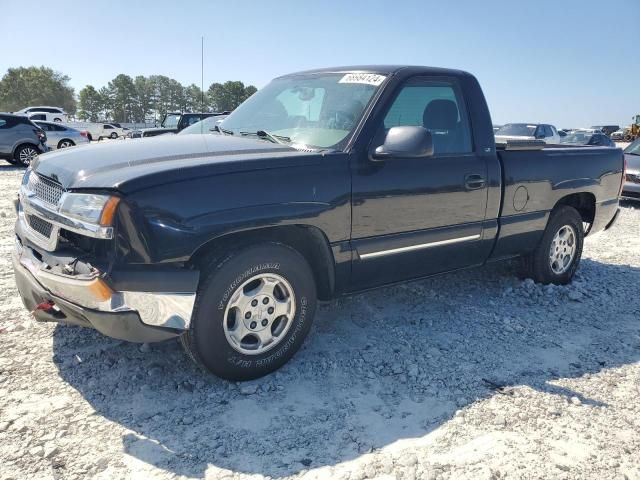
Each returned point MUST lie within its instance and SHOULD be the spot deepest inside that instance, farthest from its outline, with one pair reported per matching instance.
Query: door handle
(473, 181)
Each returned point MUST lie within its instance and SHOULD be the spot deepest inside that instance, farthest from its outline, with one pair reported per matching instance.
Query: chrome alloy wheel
(66, 144)
(259, 314)
(563, 249)
(27, 155)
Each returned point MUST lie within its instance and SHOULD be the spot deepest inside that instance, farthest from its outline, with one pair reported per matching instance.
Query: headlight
(90, 207)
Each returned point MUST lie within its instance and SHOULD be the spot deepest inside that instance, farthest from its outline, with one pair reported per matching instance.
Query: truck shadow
(390, 364)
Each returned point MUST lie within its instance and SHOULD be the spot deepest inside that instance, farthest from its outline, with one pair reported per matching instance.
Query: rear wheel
(25, 154)
(253, 312)
(59, 120)
(65, 143)
(557, 257)
(113, 135)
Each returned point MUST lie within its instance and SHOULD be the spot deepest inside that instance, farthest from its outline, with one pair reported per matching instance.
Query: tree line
(123, 99)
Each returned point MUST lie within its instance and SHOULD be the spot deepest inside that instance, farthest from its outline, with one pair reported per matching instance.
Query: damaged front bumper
(89, 300)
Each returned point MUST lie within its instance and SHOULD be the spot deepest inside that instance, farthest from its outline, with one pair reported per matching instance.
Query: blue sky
(568, 62)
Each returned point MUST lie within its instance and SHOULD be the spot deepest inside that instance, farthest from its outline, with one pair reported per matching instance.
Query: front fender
(169, 223)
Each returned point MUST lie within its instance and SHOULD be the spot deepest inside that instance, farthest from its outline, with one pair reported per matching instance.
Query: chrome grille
(45, 189)
(40, 226)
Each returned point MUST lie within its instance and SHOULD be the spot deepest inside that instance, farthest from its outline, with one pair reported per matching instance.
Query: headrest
(440, 115)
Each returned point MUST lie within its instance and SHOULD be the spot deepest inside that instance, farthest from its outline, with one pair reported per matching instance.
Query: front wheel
(65, 144)
(253, 312)
(558, 254)
(113, 135)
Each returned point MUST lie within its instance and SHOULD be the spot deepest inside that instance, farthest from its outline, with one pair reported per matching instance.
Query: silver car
(631, 186)
(61, 136)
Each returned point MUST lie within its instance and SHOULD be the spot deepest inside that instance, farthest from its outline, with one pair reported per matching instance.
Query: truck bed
(534, 180)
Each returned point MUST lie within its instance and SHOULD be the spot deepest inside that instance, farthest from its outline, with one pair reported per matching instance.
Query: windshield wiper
(281, 139)
(218, 128)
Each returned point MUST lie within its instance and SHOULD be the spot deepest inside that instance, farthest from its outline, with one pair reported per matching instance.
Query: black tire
(65, 143)
(59, 120)
(206, 341)
(21, 153)
(89, 137)
(538, 264)
(113, 135)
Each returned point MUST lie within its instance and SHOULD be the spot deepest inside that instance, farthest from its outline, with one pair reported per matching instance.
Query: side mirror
(405, 142)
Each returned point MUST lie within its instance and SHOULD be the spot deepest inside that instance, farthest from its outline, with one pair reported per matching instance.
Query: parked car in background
(113, 131)
(562, 133)
(323, 183)
(207, 125)
(45, 113)
(527, 131)
(620, 134)
(123, 131)
(173, 122)
(631, 186)
(21, 140)
(62, 136)
(594, 139)
(606, 129)
(98, 130)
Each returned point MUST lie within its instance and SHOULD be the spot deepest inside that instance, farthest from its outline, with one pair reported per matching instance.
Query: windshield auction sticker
(365, 78)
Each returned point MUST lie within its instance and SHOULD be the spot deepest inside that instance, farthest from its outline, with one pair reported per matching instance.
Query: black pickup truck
(324, 183)
(172, 122)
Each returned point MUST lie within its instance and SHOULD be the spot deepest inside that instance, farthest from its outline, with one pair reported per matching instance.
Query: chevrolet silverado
(324, 183)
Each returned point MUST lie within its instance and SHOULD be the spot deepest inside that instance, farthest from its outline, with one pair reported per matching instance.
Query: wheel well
(66, 140)
(310, 242)
(24, 144)
(584, 203)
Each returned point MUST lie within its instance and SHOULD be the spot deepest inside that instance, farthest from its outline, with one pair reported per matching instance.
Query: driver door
(419, 216)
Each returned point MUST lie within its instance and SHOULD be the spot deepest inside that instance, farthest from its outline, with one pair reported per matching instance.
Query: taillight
(41, 135)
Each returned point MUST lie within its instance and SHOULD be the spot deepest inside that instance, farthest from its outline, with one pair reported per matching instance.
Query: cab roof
(383, 70)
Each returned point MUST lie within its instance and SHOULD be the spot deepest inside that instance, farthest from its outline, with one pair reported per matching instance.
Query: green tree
(194, 100)
(122, 96)
(91, 104)
(228, 95)
(24, 86)
(144, 98)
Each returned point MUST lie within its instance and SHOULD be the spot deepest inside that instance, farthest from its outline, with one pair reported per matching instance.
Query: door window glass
(436, 106)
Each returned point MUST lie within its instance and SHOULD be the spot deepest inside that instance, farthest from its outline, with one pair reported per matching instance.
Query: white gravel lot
(474, 375)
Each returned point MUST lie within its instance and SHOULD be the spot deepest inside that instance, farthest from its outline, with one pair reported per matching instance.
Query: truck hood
(134, 164)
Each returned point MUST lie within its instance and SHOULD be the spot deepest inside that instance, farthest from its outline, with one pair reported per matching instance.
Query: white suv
(44, 113)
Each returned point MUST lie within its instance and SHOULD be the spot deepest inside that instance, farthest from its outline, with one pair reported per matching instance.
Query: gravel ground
(472, 375)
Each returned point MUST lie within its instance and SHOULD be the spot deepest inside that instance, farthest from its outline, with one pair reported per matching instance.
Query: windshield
(633, 148)
(577, 138)
(517, 130)
(313, 111)
(171, 120)
(203, 126)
